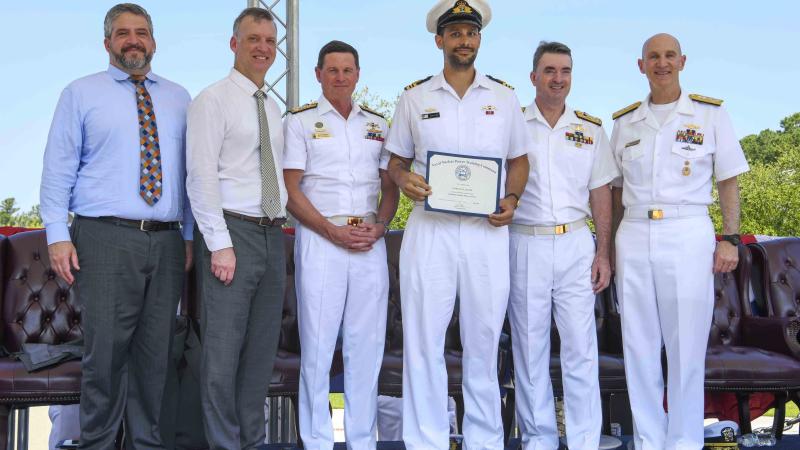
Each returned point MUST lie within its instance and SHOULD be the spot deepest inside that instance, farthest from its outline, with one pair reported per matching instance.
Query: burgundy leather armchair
(742, 355)
(37, 307)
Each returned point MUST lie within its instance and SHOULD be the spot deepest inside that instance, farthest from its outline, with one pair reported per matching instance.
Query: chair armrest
(776, 334)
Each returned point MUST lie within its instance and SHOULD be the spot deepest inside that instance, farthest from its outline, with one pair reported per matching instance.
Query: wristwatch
(734, 239)
(511, 194)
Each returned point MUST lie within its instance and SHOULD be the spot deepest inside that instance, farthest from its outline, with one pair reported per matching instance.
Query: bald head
(661, 40)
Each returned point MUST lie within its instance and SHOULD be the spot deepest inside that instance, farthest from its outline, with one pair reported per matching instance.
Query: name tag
(432, 115)
(632, 143)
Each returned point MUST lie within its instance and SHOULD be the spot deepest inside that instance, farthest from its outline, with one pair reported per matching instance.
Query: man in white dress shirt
(555, 269)
(668, 148)
(334, 168)
(464, 112)
(235, 183)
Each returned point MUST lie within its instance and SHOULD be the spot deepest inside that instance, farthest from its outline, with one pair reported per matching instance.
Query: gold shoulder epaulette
(626, 110)
(372, 111)
(305, 107)
(707, 100)
(497, 80)
(589, 118)
(417, 83)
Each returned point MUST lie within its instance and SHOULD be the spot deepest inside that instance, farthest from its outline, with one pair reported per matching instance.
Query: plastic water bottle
(748, 440)
(766, 440)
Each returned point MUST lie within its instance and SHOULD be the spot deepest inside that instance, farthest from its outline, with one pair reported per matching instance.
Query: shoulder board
(497, 80)
(707, 100)
(366, 108)
(589, 118)
(626, 110)
(417, 83)
(305, 107)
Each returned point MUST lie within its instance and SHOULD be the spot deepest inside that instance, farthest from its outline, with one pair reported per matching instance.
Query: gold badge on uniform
(489, 109)
(690, 135)
(374, 132)
(632, 143)
(320, 132)
(577, 136)
(430, 113)
(462, 7)
(687, 170)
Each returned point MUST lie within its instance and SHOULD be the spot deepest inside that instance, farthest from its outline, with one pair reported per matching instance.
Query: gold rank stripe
(417, 83)
(371, 111)
(625, 110)
(589, 118)
(305, 107)
(707, 100)
(497, 80)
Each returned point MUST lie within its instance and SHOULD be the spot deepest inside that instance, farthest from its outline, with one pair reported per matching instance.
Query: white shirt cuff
(218, 241)
(57, 232)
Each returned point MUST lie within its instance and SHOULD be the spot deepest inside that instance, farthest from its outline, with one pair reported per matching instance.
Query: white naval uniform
(444, 255)
(341, 159)
(664, 267)
(553, 273)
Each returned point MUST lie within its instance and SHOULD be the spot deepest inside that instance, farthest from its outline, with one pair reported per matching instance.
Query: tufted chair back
(3, 243)
(394, 319)
(731, 294)
(38, 307)
(776, 266)
(290, 335)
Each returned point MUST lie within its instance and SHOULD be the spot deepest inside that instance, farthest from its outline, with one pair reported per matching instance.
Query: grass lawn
(791, 411)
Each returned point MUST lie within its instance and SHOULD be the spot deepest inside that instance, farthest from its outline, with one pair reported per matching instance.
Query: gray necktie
(270, 192)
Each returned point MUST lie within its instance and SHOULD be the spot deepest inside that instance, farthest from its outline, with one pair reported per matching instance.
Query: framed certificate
(463, 184)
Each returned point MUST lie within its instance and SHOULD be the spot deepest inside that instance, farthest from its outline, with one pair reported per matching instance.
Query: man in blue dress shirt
(115, 158)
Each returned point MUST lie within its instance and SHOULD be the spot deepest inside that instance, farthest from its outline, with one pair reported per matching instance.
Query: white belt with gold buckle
(536, 230)
(660, 212)
(351, 220)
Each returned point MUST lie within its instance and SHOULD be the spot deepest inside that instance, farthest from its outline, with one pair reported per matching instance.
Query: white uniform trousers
(339, 287)
(552, 275)
(666, 291)
(442, 256)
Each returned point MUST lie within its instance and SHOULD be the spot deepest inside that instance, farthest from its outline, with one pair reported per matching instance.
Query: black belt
(141, 225)
(260, 221)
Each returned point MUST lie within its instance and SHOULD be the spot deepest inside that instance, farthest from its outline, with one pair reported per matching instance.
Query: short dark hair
(118, 10)
(336, 47)
(258, 14)
(549, 47)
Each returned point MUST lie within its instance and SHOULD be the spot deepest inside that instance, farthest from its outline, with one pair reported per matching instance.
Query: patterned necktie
(149, 150)
(270, 193)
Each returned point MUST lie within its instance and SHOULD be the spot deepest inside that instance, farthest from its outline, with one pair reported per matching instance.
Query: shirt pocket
(633, 167)
(691, 160)
(579, 160)
(489, 137)
(326, 155)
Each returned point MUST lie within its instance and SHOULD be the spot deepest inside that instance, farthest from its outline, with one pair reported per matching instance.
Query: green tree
(8, 208)
(29, 219)
(770, 191)
(9, 216)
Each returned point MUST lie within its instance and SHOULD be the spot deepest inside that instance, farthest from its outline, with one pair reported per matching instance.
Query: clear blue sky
(742, 52)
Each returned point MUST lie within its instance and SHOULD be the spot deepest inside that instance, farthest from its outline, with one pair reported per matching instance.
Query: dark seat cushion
(59, 384)
(611, 368)
(390, 380)
(732, 367)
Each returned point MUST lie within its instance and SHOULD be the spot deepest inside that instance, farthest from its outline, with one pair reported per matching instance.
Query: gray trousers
(129, 285)
(240, 326)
